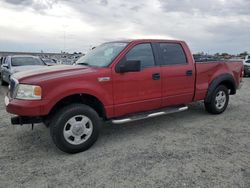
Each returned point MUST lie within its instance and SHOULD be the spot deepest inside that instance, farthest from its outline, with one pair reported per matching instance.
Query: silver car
(18, 63)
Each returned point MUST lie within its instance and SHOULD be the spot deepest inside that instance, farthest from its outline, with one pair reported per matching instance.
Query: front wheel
(219, 100)
(75, 128)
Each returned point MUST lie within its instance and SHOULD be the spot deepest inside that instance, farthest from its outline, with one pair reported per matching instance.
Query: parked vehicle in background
(70, 60)
(1, 67)
(65, 61)
(120, 82)
(18, 63)
(247, 67)
(1, 60)
(49, 62)
(204, 58)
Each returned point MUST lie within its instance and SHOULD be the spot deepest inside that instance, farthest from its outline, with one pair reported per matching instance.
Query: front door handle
(156, 76)
(189, 73)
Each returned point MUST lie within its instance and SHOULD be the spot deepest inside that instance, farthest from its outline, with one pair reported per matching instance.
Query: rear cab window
(172, 54)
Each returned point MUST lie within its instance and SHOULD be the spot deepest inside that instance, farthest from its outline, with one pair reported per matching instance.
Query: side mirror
(129, 66)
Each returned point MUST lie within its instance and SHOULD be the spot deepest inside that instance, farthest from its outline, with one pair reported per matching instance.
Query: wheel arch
(226, 80)
(82, 98)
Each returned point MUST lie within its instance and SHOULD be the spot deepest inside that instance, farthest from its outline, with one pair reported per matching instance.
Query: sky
(77, 25)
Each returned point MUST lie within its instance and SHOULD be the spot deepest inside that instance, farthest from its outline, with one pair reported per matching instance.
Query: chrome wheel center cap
(78, 129)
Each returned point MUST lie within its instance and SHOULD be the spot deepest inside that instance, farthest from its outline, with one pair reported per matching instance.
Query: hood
(51, 72)
(27, 67)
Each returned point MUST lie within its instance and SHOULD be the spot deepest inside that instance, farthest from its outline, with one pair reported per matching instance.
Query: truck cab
(162, 78)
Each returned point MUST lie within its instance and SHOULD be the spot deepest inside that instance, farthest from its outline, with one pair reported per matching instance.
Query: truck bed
(206, 72)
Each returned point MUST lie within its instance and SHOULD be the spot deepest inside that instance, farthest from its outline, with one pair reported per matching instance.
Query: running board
(149, 115)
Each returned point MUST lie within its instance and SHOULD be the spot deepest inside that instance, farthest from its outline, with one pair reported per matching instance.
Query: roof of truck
(147, 40)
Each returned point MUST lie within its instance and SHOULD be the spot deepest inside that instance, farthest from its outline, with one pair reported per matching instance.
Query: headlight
(29, 92)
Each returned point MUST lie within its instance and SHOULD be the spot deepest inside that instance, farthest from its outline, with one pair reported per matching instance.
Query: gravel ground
(188, 149)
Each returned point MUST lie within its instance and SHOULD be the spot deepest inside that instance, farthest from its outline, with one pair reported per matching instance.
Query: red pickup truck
(118, 81)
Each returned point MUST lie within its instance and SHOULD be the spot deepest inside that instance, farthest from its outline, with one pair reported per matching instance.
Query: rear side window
(172, 54)
(143, 53)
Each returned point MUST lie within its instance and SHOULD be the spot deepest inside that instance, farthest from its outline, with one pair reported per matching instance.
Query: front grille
(13, 86)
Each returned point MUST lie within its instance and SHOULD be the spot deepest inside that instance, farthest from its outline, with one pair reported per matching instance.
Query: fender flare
(224, 78)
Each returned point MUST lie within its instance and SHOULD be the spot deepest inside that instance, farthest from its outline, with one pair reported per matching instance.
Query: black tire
(58, 124)
(3, 83)
(211, 106)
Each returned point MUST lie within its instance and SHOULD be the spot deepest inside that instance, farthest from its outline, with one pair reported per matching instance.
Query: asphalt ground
(187, 149)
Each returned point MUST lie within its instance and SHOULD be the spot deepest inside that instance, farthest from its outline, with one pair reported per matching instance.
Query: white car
(18, 63)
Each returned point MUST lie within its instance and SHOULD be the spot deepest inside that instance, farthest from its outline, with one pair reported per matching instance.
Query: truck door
(137, 91)
(178, 74)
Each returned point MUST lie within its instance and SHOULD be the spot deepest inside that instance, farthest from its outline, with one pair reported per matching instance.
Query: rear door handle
(189, 73)
(156, 76)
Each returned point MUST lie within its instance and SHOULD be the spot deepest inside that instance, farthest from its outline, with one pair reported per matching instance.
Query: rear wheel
(75, 128)
(219, 100)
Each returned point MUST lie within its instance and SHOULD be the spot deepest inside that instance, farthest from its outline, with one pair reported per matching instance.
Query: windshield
(102, 55)
(23, 61)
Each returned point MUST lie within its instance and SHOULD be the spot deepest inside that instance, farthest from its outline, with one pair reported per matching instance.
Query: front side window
(143, 53)
(23, 61)
(102, 55)
(172, 54)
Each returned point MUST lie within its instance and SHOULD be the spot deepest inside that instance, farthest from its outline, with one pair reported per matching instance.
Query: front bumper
(26, 107)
